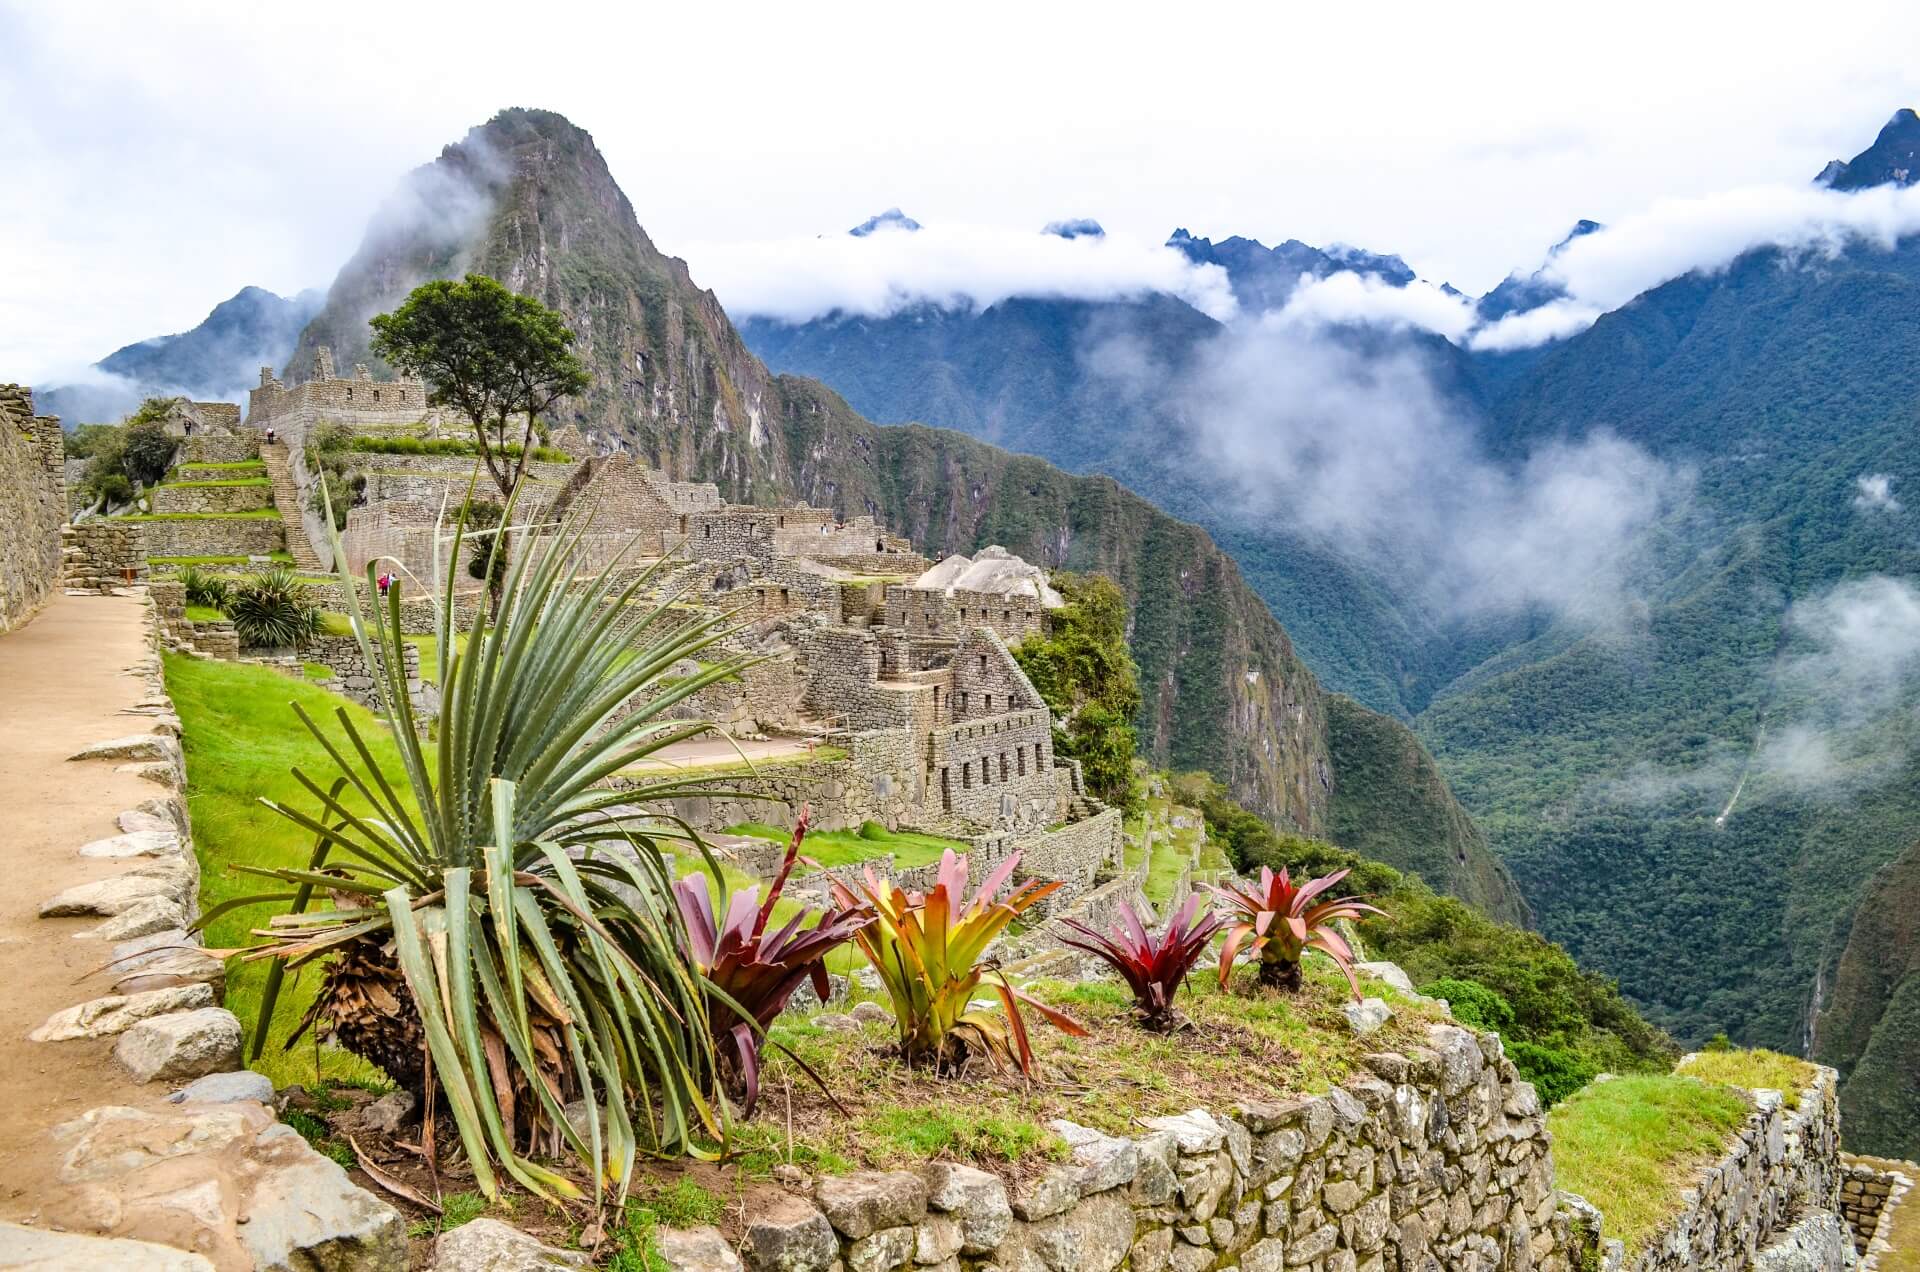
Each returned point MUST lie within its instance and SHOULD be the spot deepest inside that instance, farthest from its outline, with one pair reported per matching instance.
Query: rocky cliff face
(528, 199)
(1870, 1029)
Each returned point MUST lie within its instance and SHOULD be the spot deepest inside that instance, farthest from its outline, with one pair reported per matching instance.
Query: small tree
(498, 357)
(1083, 672)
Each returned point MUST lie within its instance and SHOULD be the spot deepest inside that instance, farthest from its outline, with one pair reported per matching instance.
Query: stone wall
(220, 448)
(353, 676)
(935, 612)
(1782, 1166)
(100, 554)
(33, 505)
(1434, 1160)
(1870, 1195)
(212, 536)
(190, 497)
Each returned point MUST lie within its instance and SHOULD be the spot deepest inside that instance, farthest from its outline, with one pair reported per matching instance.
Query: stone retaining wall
(97, 554)
(1438, 1159)
(33, 506)
(188, 497)
(1870, 1196)
(1782, 1166)
(353, 677)
(221, 448)
(212, 536)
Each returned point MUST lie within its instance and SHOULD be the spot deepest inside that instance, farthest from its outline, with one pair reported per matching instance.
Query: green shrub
(147, 452)
(1555, 1072)
(1473, 1004)
(272, 610)
(1084, 673)
(206, 589)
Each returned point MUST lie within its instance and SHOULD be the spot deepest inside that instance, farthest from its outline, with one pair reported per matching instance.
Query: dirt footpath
(63, 684)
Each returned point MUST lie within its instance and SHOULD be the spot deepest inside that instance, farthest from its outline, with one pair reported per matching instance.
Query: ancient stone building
(33, 505)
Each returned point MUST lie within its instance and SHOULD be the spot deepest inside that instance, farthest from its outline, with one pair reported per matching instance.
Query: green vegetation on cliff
(1870, 1030)
(1083, 672)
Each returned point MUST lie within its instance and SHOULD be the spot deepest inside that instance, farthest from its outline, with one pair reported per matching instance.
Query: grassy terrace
(1632, 1145)
(283, 558)
(232, 466)
(193, 483)
(204, 614)
(1174, 847)
(844, 847)
(260, 514)
(1247, 1045)
(1754, 1070)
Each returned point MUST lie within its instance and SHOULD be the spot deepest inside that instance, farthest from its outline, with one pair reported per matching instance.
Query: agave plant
(204, 587)
(504, 935)
(1284, 922)
(273, 610)
(927, 950)
(752, 973)
(1154, 967)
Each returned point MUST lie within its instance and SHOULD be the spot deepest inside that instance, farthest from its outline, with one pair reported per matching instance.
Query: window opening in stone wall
(986, 770)
(1021, 758)
(1036, 758)
(963, 702)
(376, 395)
(946, 792)
(989, 707)
(1003, 766)
(709, 530)
(966, 775)
(349, 395)
(1006, 616)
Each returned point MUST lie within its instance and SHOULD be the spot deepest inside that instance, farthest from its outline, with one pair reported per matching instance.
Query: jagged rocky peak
(1517, 292)
(1263, 277)
(891, 219)
(1075, 227)
(1892, 159)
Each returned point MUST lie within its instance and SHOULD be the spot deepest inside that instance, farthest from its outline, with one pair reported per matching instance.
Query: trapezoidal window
(1003, 766)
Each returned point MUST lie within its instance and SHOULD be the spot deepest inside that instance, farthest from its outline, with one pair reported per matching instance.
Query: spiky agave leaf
(927, 951)
(754, 972)
(529, 908)
(1153, 967)
(1284, 922)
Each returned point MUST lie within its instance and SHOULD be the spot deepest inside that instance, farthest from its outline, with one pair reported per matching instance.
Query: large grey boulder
(37, 1250)
(186, 1044)
(488, 1245)
(116, 1013)
(693, 1250)
(1367, 1015)
(142, 918)
(135, 746)
(162, 841)
(1103, 1161)
(1094, 1236)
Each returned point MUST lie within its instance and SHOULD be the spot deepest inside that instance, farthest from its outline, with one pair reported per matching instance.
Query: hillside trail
(64, 684)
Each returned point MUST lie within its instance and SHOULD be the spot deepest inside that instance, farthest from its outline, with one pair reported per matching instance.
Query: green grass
(198, 483)
(844, 847)
(334, 623)
(204, 614)
(285, 558)
(683, 1203)
(1755, 1070)
(258, 514)
(1631, 1145)
(241, 741)
(455, 1209)
(918, 1134)
(820, 755)
(316, 671)
(232, 466)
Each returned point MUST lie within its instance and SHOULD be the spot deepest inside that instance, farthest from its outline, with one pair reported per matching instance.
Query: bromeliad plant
(753, 972)
(499, 913)
(927, 950)
(1154, 967)
(1285, 922)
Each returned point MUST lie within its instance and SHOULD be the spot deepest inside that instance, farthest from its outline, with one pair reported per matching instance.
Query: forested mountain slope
(528, 199)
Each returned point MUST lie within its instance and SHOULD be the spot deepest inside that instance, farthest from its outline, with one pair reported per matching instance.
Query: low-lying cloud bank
(955, 266)
(1359, 448)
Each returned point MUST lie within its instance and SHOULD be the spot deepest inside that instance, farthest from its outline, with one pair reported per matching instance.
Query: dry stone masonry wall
(1437, 1159)
(33, 505)
(202, 497)
(1871, 1195)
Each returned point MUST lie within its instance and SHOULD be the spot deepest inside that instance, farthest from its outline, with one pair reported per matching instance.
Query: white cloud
(1555, 320)
(1875, 492)
(1362, 451)
(1351, 298)
(954, 266)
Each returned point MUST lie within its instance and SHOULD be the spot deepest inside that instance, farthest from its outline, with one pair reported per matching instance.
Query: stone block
(863, 1202)
(36, 1248)
(185, 1044)
(693, 1250)
(789, 1234)
(116, 1013)
(225, 1088)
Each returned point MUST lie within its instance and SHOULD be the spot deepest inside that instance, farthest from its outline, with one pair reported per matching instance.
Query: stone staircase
(286, 497)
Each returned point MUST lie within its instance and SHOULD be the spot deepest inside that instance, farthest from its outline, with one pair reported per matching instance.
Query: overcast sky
(160, 157)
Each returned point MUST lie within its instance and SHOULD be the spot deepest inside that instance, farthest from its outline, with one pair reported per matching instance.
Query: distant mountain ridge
(217, 360)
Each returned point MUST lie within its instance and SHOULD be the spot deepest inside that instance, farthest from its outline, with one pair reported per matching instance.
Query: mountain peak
(891, 219)
(1076, 227)
(1892, 159)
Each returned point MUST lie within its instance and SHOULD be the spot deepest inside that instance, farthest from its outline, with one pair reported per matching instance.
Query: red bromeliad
(752, 972)
(1285, 923)
(1153, 967)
